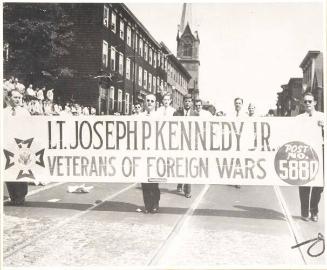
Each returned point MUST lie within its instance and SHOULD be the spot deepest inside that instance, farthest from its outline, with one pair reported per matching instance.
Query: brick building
(289, 100)
(117, 59)
(312, 67)
(177, 78)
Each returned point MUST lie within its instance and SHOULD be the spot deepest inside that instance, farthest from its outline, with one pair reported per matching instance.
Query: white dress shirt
(15, 111)
(163, 111)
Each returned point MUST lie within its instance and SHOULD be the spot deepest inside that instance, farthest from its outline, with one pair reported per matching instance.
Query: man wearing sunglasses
(186, 111)
(151, 192)
(310, 196)
(137, 108)
(150, 105)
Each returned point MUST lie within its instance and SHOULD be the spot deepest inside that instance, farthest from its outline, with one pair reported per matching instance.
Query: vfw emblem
(24, 158)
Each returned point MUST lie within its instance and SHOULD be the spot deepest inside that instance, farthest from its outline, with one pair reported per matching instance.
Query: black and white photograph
(163, 135)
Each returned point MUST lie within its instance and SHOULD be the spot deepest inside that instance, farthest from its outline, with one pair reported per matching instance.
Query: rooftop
(310, 55)
(174, 59)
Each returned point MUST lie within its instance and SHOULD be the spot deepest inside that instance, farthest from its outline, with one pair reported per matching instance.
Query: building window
(113, 59)
(145, 81)
(121, 64)
(126, 103)
(106, 16)
(146, 52)
(120, 100)
(136, 42)
(155, 59)
(135, 72)
(111, 98)
(141, 46)
(154, 84)
(113, 22)
(122, 29)
(140, 76)
(102, 92)
(129, 36)
(162, 61)
(150, 82)
(150, 56)
(161, 85)
(128, 68)
(105, 54)
(158, 59)
(187, 50)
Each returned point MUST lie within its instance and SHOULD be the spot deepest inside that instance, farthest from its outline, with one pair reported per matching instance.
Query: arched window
(187, 50)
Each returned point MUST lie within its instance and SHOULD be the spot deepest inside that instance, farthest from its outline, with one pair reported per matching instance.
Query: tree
(40, 37)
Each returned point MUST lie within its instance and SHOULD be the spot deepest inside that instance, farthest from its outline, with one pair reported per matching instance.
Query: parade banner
(221, 150)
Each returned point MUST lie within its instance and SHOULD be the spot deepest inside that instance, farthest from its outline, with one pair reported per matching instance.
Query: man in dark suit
(187, 110)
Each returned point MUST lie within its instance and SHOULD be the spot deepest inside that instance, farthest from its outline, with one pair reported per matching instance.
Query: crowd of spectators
(40, 101)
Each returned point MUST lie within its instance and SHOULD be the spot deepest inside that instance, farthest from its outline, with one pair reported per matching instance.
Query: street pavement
(219, 226)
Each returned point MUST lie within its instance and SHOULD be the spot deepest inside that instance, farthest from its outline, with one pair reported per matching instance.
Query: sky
(247, 50)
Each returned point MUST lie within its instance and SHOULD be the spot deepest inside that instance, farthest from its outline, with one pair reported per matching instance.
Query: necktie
(13, 111)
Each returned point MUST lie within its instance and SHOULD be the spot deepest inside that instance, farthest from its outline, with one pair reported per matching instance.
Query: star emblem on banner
(24, 158)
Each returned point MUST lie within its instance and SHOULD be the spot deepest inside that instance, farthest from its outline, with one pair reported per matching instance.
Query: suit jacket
(180, 112)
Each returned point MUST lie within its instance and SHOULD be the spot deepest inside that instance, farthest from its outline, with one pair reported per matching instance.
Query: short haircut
(188, 96)
(151, 95)
(309, 94)
(251, 105)
(198, 100)
(138, 103)
(238, 98)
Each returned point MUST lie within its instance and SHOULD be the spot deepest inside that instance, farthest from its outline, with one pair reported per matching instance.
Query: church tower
(188, 49)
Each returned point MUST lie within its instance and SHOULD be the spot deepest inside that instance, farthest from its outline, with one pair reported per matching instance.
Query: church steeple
(186, 17)
(188, 49)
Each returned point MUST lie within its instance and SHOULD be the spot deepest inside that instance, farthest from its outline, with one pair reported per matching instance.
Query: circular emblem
(296, 163)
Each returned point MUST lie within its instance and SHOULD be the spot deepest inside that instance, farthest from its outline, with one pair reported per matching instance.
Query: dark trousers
(310, 203)
(186, 188)
(17, 190)
(151, 195)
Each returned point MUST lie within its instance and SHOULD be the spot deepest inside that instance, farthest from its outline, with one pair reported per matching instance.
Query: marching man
(310, 196)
